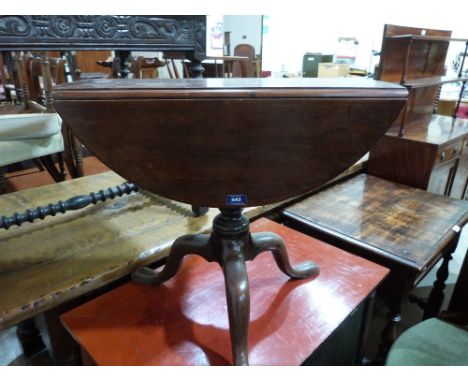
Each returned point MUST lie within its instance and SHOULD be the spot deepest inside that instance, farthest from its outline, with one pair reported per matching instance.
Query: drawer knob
(442, 155)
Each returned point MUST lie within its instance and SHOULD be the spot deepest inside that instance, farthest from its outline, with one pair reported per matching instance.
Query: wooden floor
(32, 177)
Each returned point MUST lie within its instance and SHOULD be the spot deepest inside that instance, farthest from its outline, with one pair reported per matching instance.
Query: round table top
(239, 87)
(229, 142)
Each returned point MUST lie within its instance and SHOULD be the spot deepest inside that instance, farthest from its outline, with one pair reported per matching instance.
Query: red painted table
(184, 321)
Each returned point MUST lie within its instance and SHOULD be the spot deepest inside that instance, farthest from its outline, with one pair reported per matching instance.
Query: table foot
(238, 299)
(230, 245)
(184, 245)
(268, 241)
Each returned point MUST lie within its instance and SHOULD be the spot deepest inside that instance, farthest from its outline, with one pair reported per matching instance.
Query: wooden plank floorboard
(33, 177)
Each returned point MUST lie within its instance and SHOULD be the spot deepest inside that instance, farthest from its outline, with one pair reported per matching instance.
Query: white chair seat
(27, 136)
(19, 150)
(26, 126)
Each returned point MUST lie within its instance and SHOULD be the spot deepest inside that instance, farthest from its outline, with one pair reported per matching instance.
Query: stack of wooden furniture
(355, 214)
(422, 149)
(184, 35)
(30, 129)
(377, 215)
(247, 68)
(403, 228)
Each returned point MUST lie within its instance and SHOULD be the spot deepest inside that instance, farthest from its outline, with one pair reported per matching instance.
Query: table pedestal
(230, 245)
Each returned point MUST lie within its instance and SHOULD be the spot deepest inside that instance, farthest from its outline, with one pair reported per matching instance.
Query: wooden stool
(405, 229)
(185, 322)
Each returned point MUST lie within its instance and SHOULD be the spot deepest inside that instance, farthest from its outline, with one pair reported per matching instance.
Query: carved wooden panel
(182, 33)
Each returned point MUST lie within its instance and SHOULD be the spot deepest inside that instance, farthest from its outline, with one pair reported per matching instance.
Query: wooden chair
(145, 67)
(32, 129)
(88, 64)
(170, 59)
(73, 148)
(440, 341)
(7, 82)
(434, 342)
(11, 79)
(244, 68)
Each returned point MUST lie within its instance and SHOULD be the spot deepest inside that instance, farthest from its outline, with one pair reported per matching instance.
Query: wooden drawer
(442, 177)
(448, 152)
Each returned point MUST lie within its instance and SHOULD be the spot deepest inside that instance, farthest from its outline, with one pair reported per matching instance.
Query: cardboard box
(333, 70)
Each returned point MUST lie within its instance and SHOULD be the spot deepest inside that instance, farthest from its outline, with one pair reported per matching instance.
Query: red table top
(184, 321)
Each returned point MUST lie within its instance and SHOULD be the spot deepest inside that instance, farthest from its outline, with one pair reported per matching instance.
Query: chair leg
(38, 163)
(30, 337)
(73, 153)
(3, 188)
(57, 174)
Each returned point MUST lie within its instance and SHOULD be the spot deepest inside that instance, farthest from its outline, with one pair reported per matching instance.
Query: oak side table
(405, 229)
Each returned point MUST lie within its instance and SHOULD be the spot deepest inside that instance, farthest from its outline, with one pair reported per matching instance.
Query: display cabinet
(422, 149)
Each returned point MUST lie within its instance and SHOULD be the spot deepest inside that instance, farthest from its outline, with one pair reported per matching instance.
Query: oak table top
(409, 226)
(46, 263)
(184, 321)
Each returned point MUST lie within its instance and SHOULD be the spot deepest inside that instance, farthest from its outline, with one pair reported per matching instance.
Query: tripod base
(230, 245)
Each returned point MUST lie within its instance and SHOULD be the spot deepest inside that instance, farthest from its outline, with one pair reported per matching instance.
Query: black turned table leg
(123, 56)
(30, 337)
(199, 210)
(3, 186)
(57, 174)
(388, 336)
(196, 68)
(436, 297)
(397, 288)
(230, 245)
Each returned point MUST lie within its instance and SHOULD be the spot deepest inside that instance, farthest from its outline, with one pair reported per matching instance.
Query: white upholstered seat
(29, 136)
(26, 126)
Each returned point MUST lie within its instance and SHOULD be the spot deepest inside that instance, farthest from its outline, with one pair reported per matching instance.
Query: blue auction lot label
(236, 200)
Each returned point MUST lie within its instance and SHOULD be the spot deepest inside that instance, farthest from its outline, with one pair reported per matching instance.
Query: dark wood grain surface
(410, 226)
(428, 154)
(198, 141)
(267, 85)
(426, 57)
(182, 33)
(398, 31)
(441, 130)
(424, 156)
(185, 322)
